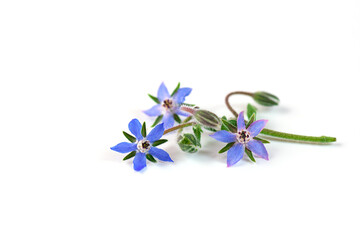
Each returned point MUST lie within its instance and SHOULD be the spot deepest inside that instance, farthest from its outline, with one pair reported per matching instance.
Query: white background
(74, 73)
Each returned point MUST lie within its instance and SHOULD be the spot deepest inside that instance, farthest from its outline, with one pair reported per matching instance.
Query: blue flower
(243, 138)
(142, 146)
(168, 105)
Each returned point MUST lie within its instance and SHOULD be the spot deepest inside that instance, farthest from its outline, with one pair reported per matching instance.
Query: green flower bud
(266, 99)
(188, 143)
(207, 119)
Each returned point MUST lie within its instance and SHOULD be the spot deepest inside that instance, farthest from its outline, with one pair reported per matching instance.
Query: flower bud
(266, 99)
(188, 143)
(207, 118)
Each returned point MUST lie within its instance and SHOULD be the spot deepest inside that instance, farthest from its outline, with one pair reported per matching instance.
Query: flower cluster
(241, 136)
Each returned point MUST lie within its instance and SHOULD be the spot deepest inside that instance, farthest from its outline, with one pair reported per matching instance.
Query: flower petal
(139, 161)
(241, 122)
(163, 93)
(124, 147)
(182, 113)
(180, 95)
(160, 154)
(168, 120)
(256, 127)
(258, 148)
(154, 111)
(135, 128)
(235, 154)
(156, 133)
(224, 136)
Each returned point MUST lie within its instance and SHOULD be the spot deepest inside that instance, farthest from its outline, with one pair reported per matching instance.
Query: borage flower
(243, 139)
(168, 106)
(142, 146)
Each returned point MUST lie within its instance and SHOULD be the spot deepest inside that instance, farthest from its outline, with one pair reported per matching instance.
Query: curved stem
(179, 127)
(277, 134)
(235, 93)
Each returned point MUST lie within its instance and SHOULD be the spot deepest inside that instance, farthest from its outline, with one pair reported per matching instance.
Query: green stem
(276, 134)
(179, 127)
(295, 137)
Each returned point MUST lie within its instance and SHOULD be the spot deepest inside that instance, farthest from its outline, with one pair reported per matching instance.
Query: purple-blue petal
(235, 154)
(256, 127)
(224, 136)
(160, 154)
(258, 148)
(135, 128)
(182, 113)
(139, 161)
(154, 111)
(241, 122)
(168, 120)
(180, 95)
(124, 147)
(156, 133)
(163, 93)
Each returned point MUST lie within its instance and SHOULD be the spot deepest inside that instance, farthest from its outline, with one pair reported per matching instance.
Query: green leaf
(159, 142)
(176, 89)
(143, 130)
(250, 111)
(230, 126)
(130, 155)
(262, 140)
(250, 155)
(131, 138)
(197, 131)
(252, 119)
(155, 99)
(157, 120)
(150, 158)
(177, 118)
(227, 147)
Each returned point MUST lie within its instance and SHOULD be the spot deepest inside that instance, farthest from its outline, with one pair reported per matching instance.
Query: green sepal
(250, 155)
(176, 89)
(251, 120)
(261, 140)
(129, 137)
(143, 130)
(188, 104)
(157, 120)
(188, 143)
(233, 122)
(177, 118)
(250, 110)
(155, 99)
(159, 142)
(229, 126)
(130, 155)
(197, 131)
(150, 158)
(227, 147)
(210, 129)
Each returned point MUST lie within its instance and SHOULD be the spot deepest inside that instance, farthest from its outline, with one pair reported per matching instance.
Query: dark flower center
(167, 104)
(143, 146)
(243, 136)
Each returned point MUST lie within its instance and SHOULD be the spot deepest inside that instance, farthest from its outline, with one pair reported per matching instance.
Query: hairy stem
(295, 137)
(276, 134)
(235, 93)
(184, 125)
